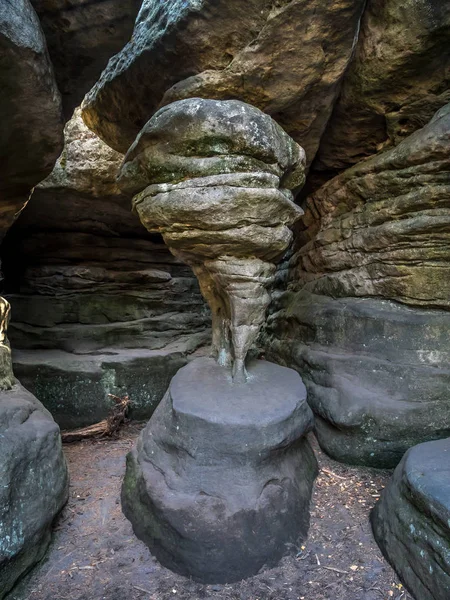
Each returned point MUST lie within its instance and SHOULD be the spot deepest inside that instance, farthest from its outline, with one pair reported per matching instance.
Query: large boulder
(411, 521)
(33, 471)
(93, 293)
(81, 38)
(220, 481)
(31, 135)
(287, 58)
(366, 319)
(398, 79)
(33, 482)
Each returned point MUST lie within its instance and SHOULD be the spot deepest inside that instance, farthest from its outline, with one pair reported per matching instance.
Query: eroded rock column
(220, 481)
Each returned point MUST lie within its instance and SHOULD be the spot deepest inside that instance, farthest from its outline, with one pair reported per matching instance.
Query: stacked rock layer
(366, 318)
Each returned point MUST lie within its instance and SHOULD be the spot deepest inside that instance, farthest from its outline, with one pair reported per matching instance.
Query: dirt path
(95, 556)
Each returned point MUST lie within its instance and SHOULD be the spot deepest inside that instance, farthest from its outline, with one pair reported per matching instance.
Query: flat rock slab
(33, 482)
(75, 387)
(411, 521)
(220, 481)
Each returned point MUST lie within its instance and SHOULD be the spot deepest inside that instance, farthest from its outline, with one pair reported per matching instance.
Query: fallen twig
(331, 474)
(136, 587)
(107, 427)
(336, 570)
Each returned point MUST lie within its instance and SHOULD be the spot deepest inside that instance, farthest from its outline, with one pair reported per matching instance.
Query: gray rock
(377, 372)
(220, 481)
(411, 521)
(90, 276)
(215, 179)
(81, 38)
(75, 387)
(31, 136)
(33, 482)
(286, 58)
(89, 284)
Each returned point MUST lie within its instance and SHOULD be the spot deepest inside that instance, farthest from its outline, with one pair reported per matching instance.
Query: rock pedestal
(220, 481)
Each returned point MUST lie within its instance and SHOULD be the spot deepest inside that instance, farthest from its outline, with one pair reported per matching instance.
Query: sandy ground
(95, 555)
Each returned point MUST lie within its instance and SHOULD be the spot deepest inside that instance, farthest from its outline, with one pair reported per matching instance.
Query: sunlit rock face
(366, 318)
(286, 57)
(217, 179)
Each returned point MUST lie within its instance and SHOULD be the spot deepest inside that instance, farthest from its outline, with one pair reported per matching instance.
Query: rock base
(376, 372)
(33, 482)
(220, 481)
(411, 521)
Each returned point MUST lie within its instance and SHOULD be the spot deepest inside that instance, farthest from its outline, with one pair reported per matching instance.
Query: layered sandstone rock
(31, 135)
(93, 293)
(366, 319)
(398, 79)
(287, 58)
(214, 177)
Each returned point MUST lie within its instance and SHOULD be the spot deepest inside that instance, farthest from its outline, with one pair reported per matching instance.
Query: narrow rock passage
(95, 556)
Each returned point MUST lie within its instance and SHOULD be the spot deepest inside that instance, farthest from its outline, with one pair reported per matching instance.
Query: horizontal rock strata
(86, 278)
(215, 179)
(367, 316)
(287, 58)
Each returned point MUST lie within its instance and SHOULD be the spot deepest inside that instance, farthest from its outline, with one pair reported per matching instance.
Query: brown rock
(286, 58)
(366, 319)
(398, 79)
(220, 176)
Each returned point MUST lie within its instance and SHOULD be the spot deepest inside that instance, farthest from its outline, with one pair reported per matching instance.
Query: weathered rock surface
(220, 481)
(85, 278)
(366, 319)
(81, 37)
(75, 387)
(287, 58)
(411, 521)
(216, 179)
(31, 135)
(33, 472)
(398, 79)
(33, 482)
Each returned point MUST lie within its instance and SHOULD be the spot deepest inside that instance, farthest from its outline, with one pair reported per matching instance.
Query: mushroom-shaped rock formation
(215, 178)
